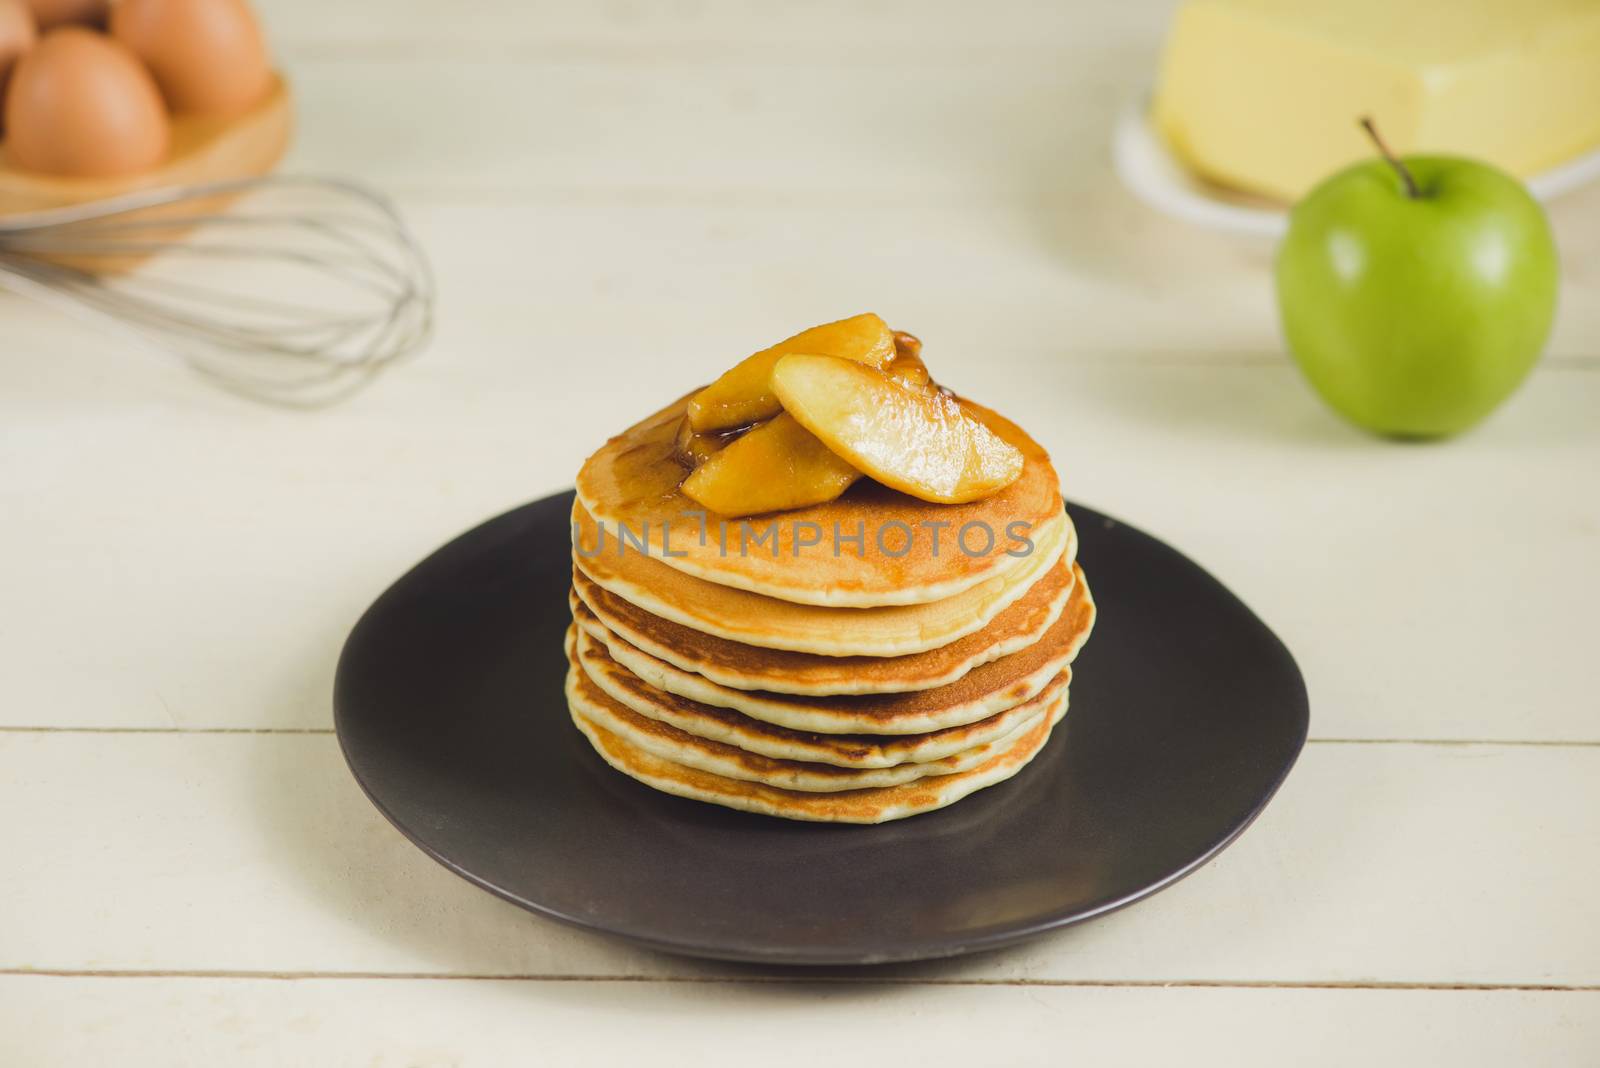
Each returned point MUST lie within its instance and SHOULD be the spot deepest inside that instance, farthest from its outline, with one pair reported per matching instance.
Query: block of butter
(1264, 95)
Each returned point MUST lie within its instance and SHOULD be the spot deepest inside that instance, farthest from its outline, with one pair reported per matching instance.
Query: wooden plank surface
(619, 199)
(1431, 864)
(197, 1023)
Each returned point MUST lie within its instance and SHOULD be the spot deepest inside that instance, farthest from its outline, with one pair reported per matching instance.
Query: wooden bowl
(203, 150)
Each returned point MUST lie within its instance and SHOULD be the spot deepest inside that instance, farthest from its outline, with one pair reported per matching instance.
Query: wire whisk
(290, 290)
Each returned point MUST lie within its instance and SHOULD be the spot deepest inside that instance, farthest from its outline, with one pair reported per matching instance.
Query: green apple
(1416, 294)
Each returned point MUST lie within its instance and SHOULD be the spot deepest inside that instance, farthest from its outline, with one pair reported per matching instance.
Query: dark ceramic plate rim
(995, 936)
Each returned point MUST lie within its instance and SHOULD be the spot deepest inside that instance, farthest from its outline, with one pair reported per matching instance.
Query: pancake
(663, 740)
(785, 743)
(850, 806)
(745, 667)
(633, 480)
(978, 696)
(741, 616)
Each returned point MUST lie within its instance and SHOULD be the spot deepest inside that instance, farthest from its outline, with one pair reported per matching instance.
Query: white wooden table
(619, 199)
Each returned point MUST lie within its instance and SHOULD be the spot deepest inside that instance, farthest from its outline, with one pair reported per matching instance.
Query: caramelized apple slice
(743, 394)
(906, 364)
(778, 465)
(915, 440)
(694, 448)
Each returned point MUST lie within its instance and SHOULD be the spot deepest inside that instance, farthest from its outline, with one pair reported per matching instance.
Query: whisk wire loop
(293, 290)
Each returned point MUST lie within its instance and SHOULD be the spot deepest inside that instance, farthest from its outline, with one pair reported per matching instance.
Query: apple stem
(1394, 161)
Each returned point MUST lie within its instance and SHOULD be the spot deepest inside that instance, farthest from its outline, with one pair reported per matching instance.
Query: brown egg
(52, 13)
(83, 105)
(208, 56)
(17, 35)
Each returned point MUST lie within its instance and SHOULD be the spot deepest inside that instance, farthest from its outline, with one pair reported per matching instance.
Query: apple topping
(743, 395)
(694, 448)
(777, 465)
(906, 364)
(914, 439)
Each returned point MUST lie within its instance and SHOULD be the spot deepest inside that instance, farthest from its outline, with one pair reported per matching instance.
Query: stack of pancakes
(782, 665)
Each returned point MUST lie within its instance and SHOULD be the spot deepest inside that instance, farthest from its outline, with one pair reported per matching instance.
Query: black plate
(1186, 714)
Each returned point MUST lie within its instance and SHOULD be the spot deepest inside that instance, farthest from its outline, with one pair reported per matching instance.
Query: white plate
(1154, 175)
